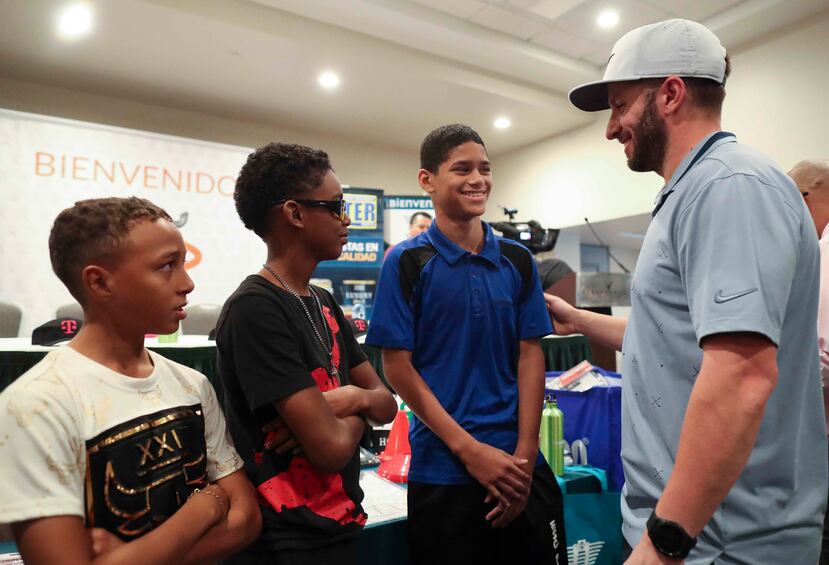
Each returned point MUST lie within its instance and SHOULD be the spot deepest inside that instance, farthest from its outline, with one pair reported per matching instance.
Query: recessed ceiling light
(502, 123)
(608, 19)
(329, 80)
(75, 21)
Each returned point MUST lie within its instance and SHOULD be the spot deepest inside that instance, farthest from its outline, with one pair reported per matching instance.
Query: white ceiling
(406, 66)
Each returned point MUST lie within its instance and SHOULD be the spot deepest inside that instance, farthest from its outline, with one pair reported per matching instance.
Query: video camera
(536, 238)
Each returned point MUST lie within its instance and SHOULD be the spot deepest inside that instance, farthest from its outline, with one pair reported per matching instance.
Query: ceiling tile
(597, 57)
(552, 9)
(460, 8)
(697, 10)
(567, 43)
(632, 14)
(508, 22)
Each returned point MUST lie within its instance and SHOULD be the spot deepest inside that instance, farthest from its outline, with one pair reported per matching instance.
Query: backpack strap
(412, 262)
(522, 260)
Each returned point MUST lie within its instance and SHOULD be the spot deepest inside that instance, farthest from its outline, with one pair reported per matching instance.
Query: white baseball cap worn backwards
(671, 48)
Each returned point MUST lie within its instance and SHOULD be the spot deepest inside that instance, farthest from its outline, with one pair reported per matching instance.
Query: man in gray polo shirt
(723, 443)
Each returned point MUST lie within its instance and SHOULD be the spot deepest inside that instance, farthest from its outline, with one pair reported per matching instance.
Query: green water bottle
(552, 435)
(170, 338)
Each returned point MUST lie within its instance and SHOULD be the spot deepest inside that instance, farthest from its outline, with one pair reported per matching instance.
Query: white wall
(775, 102)
(356, 162)
(777, 95)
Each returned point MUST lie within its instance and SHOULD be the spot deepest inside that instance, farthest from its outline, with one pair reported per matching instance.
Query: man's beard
(651, 140)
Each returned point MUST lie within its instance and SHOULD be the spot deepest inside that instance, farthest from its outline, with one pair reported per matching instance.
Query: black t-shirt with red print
(267, 350)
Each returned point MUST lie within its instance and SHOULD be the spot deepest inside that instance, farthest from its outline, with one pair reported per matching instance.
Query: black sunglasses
(336, 207)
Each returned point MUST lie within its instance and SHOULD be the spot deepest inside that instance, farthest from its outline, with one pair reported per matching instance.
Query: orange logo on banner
(193, 256)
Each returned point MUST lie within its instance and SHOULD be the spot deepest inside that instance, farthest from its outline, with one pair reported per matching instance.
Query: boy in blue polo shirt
(459, 313)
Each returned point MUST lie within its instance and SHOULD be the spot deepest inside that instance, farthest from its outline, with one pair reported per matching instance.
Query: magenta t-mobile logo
(69, 326)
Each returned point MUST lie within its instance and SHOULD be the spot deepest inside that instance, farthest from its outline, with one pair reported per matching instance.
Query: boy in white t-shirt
(110, 452)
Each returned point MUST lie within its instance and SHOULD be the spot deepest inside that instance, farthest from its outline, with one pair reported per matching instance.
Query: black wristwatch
(669, 538)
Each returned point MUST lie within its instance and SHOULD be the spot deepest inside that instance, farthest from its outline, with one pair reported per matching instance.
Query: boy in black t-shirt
(298, 388)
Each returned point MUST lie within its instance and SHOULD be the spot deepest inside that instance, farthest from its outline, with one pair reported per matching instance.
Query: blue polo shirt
(462, 315)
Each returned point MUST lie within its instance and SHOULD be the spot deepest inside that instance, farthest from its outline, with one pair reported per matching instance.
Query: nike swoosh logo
(719, 298)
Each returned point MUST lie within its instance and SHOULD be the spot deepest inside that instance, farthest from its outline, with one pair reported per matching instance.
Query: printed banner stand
(47, 164)
(352, 278)
(398, 212)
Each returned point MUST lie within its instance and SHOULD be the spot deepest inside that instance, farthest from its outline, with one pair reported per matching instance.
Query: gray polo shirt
(732, 249)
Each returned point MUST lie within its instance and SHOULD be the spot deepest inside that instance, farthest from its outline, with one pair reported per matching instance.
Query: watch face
(670, 537)
(670, 540)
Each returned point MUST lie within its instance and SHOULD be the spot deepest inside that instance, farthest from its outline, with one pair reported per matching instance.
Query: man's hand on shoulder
(563, 316)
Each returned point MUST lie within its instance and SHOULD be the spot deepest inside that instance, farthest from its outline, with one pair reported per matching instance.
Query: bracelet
(211, 493)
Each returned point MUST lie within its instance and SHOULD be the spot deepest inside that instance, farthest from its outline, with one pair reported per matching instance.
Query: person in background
(459, 313)
(551, 271)
(298, 388)
(111, 453)
(812, 179)
(418, 223)
(723, 440)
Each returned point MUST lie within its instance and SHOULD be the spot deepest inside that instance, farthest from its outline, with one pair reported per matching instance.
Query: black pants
(447, 525)
(343, 553)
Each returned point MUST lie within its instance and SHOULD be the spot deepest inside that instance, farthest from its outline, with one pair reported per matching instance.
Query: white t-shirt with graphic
(77, 438)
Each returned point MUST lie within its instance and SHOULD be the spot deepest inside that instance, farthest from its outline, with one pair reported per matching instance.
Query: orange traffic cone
(398, 453)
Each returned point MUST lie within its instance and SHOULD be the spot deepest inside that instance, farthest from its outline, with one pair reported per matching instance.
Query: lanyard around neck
(711, 140)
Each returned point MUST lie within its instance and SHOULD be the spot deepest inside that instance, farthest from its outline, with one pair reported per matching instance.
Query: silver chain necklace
(327, 347)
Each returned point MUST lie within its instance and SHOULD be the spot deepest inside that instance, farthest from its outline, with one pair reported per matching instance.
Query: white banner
(397, 212)
(47, 164)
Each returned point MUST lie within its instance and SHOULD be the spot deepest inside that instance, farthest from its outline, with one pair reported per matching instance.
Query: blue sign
(360, 251)
(353, 277)
(362, 209)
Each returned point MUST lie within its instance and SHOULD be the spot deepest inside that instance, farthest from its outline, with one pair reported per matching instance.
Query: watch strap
(677, 548)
